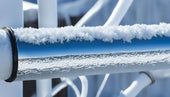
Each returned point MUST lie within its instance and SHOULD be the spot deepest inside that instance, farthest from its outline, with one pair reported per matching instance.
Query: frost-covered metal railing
(74, 51)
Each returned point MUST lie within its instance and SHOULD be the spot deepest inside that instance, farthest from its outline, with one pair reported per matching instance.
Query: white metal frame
(47, 17)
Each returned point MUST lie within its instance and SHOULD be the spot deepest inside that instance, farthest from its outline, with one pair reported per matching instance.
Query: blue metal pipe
(27, 50)
(76, 57)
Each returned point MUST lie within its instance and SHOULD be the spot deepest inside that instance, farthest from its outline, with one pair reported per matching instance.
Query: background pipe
(63, 85)
(73, 86)
(92, 12)
(144, 80)
(47, 17)
(140, 83)
(118, 12)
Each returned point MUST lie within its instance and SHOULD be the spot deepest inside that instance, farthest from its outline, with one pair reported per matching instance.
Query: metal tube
(36, 43)
(144, 80)
(140, 83)
(47, 13)
(85, 53)
(119, 12)
(95, 9)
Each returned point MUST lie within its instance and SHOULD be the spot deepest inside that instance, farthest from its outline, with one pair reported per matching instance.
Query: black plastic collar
(10, 33)
(149, 75)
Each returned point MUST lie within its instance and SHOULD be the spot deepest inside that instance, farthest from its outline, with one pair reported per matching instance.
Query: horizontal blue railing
(91, 47)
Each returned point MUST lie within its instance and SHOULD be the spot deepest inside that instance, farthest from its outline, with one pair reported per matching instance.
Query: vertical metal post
(47, 13)
(11, 14)
(47, 17)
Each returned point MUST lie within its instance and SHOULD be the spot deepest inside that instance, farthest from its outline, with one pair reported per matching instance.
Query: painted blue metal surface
(27, 50)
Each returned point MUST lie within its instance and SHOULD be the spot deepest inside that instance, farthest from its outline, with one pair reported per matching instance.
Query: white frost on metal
(76, 65)
(106, 34)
